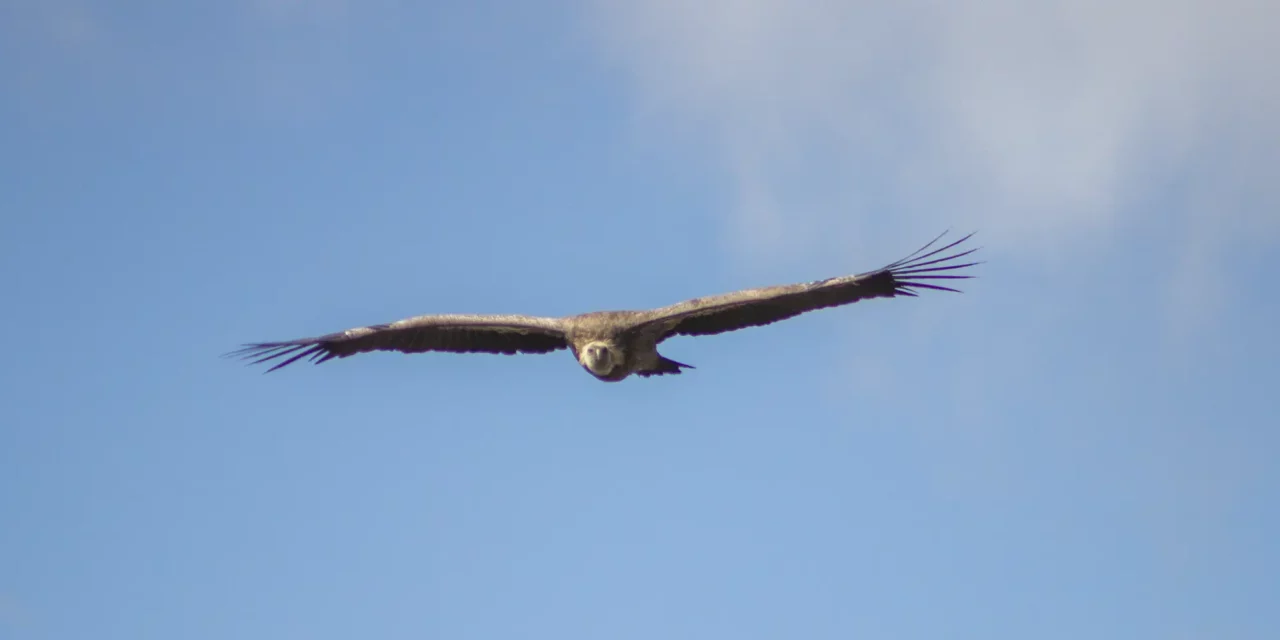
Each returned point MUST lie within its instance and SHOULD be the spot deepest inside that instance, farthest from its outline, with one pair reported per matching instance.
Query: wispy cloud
(1038, 122)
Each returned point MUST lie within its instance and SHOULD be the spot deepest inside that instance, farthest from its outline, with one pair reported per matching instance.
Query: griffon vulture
(612, 345)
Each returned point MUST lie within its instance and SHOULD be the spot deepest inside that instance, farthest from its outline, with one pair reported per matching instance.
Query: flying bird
(612, 345)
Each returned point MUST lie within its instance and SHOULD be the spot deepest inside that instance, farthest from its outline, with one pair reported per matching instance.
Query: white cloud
(1034, 121)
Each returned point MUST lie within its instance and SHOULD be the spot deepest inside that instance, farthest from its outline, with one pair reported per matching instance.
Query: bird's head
(598, 358)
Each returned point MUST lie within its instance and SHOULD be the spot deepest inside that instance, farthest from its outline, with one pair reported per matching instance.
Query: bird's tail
(666, 366)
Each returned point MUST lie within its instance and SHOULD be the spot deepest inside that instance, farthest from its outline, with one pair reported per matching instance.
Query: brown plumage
(612, 345)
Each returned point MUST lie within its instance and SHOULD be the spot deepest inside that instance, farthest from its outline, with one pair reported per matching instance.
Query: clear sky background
(1082, 445)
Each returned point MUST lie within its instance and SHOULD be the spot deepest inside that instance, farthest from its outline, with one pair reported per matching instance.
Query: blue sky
(1081, 445)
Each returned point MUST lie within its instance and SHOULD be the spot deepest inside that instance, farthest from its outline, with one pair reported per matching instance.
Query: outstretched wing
(456, 333)
(756, 307)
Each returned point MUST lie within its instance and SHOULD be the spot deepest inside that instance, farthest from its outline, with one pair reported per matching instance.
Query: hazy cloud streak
(1039, 122)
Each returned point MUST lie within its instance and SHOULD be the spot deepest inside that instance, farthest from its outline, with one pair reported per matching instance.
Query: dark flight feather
(756, 307)
(507, 334)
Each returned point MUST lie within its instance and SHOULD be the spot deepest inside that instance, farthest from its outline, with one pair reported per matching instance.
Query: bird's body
(612, 345)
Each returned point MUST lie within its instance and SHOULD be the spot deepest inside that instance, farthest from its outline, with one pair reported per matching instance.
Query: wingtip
(922, 265)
